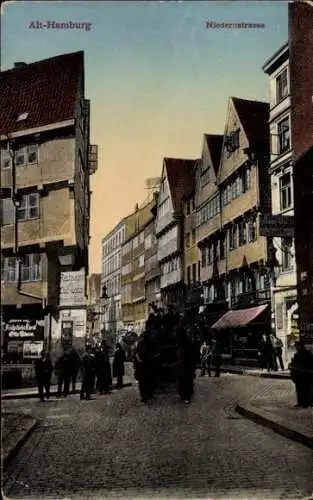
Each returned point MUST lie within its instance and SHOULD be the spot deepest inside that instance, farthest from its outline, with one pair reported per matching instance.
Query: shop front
(23, 339)
(239, 333)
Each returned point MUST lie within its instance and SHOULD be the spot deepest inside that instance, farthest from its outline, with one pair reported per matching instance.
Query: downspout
(15, 202)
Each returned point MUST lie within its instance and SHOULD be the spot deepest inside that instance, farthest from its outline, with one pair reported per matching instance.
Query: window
(6, 160)
(141, 261)
(223, 247)
(252, 230)
(286, 254)
(30, 268)
(8, 269)
(246, 179)
(194, 273)
(135, 242)
(210, 250)
(187, 240)
(203, 257)
(283, 132)
(193, 237)
(233, 237)
(29, 207)
(148, 242)
(235, 140)
(7, 211)
(193, 204)
(205, 177)
(285, 191)
(27, 155)
(21, 117)
(242, 233)
(141, 237)
(282, 85)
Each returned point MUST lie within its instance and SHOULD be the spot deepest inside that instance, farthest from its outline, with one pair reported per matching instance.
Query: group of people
(271, 352)
(94, 366)
(179, 336)
(210, 357)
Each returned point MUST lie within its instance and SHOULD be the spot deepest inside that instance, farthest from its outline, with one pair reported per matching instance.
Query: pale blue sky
(156, 77)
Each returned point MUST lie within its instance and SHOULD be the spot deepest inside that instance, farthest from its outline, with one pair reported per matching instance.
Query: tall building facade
(285, 305)
(177, 177)
(46, 163)
(152, 268)
(134, 304)
(301, 90)
(111, 278)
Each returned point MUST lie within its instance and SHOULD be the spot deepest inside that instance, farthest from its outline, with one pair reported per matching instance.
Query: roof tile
(47, 90)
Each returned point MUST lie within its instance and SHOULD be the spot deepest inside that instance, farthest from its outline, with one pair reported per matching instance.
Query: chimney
(136, 207)
(155, 197)
(19, 65)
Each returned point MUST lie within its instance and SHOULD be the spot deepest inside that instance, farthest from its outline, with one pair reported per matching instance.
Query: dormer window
(22, 117)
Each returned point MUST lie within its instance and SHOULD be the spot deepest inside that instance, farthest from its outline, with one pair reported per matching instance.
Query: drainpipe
(16, 204)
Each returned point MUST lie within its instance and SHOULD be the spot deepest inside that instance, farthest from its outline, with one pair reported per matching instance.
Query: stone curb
(34, 394)
(275, 423)
(256, 374)
(12, 452)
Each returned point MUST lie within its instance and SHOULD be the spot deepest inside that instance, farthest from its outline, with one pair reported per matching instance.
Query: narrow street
(114, 446)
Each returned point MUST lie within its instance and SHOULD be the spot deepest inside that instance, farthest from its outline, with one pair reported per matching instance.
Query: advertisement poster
(32, 349)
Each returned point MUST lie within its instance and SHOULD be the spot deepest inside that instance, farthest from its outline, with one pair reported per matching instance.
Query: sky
(157, 77)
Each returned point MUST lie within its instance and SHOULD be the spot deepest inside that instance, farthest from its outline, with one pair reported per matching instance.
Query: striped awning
(239, 318)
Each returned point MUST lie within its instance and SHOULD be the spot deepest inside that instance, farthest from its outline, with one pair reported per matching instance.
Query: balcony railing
(255, 297)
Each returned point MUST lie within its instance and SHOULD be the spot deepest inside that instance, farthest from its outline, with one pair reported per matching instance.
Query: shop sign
(32, 349)
(24, 328)
(72, 288)
(277, 225)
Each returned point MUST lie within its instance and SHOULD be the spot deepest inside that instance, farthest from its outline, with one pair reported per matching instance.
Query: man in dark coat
(75, 366)
(187, 362)
(88, 370)
(103, 370)
(143, 362)
(118, 365)
(216, 357)
(301, 371)
(43, 371)
(62, 369)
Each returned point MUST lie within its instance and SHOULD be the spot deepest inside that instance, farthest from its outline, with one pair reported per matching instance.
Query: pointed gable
(181, 179)
(246, 128)
(214, 143)
(254, 117)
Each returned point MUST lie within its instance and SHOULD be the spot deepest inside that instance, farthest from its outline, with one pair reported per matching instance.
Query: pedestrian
(88, 370)
(143, 362)
(118, 365)
(75, 366)
(269, 353)
(216, 357)
(187, 362)
(62, 369)
(103, 370)
(301, 371)
(43, 371)
(278, 353)
(204, 354)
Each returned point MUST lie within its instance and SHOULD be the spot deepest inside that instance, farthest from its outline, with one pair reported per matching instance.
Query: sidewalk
(32, 392)
(16, 429)
(255, 372)
(277, 412)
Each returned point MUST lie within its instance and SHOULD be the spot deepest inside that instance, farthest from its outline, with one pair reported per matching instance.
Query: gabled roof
(254, 117)
(47, 90)
(215, 143)
(181, 179)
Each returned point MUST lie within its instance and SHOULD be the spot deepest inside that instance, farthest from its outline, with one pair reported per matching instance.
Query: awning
(239, 318)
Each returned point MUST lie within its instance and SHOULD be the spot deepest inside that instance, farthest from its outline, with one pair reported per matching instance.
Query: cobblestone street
(116, 446)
